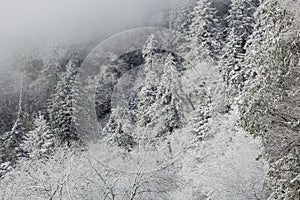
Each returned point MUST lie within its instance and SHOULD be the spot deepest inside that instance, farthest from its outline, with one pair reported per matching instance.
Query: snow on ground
(224, 166)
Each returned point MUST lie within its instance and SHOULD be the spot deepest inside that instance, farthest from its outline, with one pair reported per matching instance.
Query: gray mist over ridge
(40, 23)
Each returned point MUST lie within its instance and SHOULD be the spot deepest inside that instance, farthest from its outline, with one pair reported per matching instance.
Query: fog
(39, 22)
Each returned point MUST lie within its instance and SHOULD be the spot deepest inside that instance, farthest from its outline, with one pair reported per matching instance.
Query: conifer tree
(272, 20)
(168, 102)
(119, 128)
(267, 107)
(269, 22)
(240, 26)
(147, 93)
(204, 31)
(39, 142)
(61, 108)
(199, 121)
(180, 16)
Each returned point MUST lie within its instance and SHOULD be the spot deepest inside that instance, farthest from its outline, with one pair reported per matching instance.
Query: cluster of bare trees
(70, 175)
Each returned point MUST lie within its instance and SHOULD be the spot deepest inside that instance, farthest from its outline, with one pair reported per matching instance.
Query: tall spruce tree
(147, 93)
(168, 102)
(61, 108)
(240, 26)
(204, 31)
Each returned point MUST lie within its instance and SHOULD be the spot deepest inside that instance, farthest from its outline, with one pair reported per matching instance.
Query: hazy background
(40, 22)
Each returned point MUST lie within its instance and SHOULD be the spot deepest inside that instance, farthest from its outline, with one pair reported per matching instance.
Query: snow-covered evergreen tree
(147, 93)
(204, 31)
(61, 108)
(149, 51)
(39, 142)
(119, 128)
(199, 121)
(240, 26)
(272, 21)
(266, 108)
(180, 16)
(168, 114)
(54, 66)
(269, 22)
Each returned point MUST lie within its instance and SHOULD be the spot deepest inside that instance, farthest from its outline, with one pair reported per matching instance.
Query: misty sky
(38, 21)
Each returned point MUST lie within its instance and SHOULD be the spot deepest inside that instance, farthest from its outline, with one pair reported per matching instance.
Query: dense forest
(214, 116)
